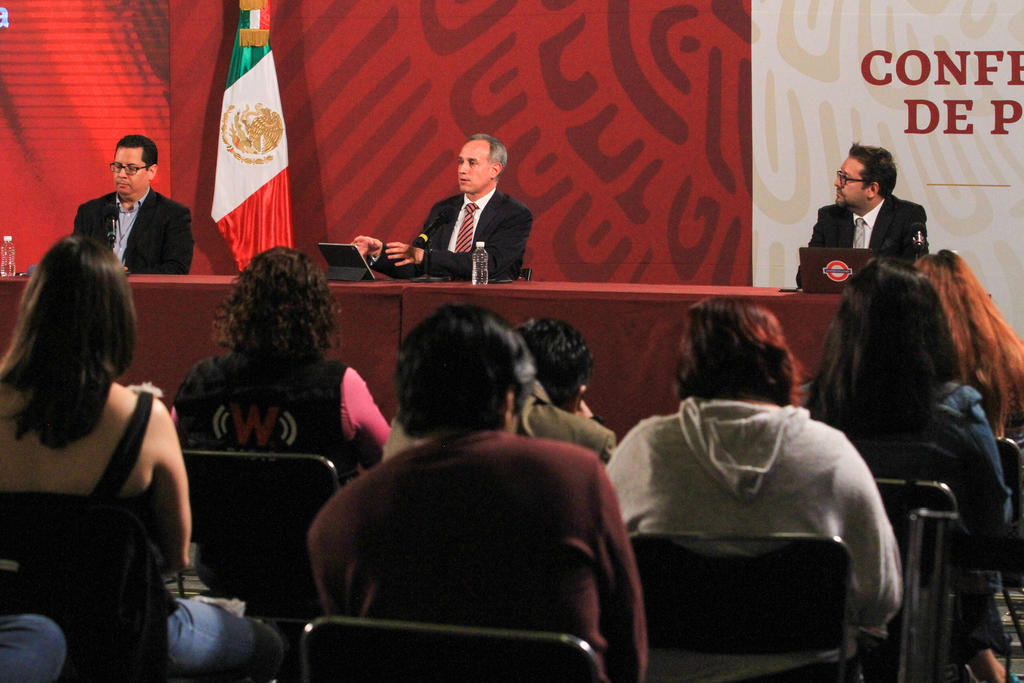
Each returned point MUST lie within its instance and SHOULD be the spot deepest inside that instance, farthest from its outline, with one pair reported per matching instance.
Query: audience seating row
(262, 505)
(733, 586)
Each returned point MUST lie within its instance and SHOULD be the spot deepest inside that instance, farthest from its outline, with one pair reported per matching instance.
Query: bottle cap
(480, 245)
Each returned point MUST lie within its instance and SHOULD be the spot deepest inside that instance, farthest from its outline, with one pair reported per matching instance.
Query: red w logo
(263, 427)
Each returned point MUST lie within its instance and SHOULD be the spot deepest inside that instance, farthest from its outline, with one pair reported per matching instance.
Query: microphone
(920, 239)
(110, 218)
(442, 217)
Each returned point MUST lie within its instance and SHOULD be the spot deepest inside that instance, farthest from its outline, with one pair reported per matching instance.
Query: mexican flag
(250, 198)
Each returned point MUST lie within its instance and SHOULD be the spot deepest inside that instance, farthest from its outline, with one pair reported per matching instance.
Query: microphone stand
(919, 240)
(442, 217)
(427, 277)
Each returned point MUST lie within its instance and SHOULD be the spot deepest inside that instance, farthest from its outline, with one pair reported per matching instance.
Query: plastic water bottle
(479, 264)
(7, 257)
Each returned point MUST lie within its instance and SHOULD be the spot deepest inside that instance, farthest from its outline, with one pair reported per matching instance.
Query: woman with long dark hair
(887, 380)
(66, 426)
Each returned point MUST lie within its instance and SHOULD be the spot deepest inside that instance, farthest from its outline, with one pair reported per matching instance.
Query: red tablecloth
(632, 330)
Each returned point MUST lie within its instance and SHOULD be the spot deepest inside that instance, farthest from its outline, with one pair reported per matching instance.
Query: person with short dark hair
(476, 525)
(556, 408)
(150, 233)
(67, 427)
(739, 459)
(480, 213)
(888, 376)
(866, 213)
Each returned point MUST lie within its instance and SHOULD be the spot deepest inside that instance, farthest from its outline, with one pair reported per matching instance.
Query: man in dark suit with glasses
(866, 214)
(150, 233)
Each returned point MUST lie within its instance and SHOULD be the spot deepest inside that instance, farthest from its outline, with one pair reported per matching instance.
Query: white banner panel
(938, 83)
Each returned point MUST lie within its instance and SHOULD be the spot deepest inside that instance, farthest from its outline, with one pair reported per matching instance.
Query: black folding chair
(250, 515)
(780, 593)
(371, 650)
(90, 567)
(922, 514)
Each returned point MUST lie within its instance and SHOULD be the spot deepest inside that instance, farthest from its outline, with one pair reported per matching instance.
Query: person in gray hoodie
(740, 459)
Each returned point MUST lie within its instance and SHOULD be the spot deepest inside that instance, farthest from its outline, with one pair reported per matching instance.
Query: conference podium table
(633, 330)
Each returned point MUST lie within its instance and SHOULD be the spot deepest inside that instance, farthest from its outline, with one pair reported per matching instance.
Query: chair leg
(1015, 618)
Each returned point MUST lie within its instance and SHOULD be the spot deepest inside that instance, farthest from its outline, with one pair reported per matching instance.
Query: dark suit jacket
(503, 226)
(160, 241)
(893, 234)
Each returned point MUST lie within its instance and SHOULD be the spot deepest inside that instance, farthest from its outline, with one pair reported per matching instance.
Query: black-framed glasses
(129, 169)
(843, 178)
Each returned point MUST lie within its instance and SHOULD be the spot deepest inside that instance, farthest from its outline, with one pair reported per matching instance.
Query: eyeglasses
(130, 169)
(843, 179)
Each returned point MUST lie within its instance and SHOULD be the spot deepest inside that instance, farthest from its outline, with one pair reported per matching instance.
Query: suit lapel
(487, 216)
(885, 216)
(138, 232)
(845, 231)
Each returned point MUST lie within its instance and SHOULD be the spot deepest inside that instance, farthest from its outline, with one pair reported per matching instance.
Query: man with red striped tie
(479, 214)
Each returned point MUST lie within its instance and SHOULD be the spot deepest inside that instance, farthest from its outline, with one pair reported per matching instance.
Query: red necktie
(465, 242)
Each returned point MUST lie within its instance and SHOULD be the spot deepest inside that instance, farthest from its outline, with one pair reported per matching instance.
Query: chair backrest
(353, 649)
(789, 596)
(1010, 457)
(924, 622)
(90, 567)
(922, 514)
(912, 460)
(902, 496)
(254, 509)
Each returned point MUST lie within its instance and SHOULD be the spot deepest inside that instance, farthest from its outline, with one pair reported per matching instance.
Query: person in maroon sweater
(474, 525)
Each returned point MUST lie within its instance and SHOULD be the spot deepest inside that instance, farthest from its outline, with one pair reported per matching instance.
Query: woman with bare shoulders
(66, 427)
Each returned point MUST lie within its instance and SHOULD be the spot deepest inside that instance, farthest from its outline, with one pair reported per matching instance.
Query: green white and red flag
(251, 203)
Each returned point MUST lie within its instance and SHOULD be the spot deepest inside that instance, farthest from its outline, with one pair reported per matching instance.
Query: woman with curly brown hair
(990, 354)
(276, 390)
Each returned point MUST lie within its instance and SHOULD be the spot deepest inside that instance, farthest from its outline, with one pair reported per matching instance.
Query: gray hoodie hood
(738, 442)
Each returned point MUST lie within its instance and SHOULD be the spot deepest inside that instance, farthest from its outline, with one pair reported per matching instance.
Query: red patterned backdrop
(627, 123)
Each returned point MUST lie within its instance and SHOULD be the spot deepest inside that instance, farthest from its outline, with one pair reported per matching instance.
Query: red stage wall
(628, 123)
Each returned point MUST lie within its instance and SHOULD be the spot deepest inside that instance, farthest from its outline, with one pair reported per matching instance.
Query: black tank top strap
(126, 454)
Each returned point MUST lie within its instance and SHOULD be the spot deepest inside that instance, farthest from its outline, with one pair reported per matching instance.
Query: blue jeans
(204, 639)
(32, 648)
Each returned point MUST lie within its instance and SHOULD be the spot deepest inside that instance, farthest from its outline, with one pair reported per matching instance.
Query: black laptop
(826, 270)
(344, 262)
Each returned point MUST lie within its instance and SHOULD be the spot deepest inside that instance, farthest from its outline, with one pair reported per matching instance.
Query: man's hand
(403, 254)
(369, 247)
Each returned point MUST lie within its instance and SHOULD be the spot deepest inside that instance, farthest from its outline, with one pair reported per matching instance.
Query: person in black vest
(276, 391)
